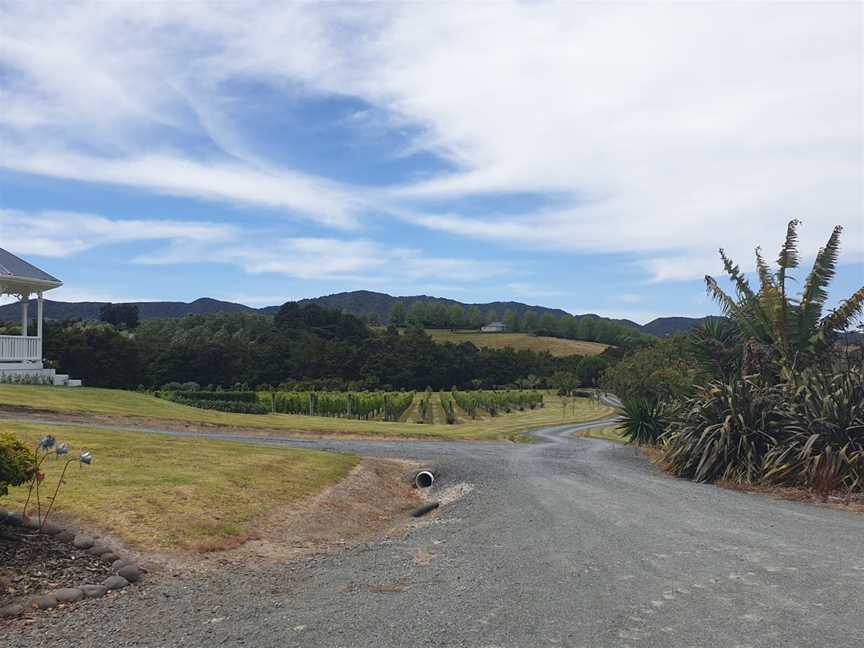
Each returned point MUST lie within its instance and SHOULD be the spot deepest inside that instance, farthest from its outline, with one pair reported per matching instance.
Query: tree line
(591, 328)
(303, 345)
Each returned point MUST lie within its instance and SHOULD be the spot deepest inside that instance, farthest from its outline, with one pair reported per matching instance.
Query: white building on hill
(21, 355)
(494, 327)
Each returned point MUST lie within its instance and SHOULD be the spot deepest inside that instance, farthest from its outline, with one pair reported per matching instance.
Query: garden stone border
(125, 572)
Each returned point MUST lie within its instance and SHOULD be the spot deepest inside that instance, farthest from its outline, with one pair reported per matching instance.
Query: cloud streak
(664, 129)
(65, 234)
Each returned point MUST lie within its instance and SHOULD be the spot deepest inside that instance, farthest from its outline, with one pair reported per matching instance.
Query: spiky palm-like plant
(792, 328)
(642, 421)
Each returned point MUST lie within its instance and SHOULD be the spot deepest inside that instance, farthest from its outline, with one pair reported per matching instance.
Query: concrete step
(35, 374)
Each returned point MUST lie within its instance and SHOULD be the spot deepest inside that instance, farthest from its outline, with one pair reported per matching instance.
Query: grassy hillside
(118, 403)
(520, 341)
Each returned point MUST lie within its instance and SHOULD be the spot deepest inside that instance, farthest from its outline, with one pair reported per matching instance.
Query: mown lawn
(558, 347)
(156, 491)
(111, 402)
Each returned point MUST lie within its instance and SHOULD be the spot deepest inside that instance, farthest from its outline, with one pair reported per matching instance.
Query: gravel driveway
(565, 542)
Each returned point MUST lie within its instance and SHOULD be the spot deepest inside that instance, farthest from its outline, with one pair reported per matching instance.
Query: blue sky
(581, 156)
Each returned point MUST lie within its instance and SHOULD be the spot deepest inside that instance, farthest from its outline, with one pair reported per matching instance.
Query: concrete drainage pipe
(424, 479)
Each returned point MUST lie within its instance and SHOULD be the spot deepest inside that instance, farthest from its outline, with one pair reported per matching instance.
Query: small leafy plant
(16, 462)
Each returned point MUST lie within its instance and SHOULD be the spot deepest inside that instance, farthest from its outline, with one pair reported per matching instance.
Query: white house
(21, 355)
(494, 327)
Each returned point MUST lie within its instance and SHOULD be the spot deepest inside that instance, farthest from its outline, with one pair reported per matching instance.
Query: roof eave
(38, 285)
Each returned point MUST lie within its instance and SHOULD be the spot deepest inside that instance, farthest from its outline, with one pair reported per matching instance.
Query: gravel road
(565, 542)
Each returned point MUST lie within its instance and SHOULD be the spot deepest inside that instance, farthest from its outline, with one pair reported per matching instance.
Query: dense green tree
(590, 370)
(418, 314)
(100, 355)
(511, 321)
(455, 316)
(398, 316)
(120, 315)
(662, 371)
(548, 323)
(530, 321)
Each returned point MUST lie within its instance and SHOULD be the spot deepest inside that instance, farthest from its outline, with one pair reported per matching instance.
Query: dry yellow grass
(607, 433)
(118, 403)
(519, 341)
(157, 491)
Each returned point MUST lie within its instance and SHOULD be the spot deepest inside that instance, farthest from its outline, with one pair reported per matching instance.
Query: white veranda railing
(17, 347)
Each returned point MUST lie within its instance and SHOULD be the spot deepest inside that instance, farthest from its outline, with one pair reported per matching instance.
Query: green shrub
(236, 407)
(17, 463)
(808, 432)
(823, 434)
(725, 431)
(642, 421)
(224, 396)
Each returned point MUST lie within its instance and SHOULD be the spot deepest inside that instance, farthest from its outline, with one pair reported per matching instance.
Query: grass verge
(156, 491)
(558, 347)
(125, 404)
(611, 433)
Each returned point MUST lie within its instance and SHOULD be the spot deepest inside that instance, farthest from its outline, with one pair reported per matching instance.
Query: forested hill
(372, 305)
(368, 303)
(663, 326)
(57, 310)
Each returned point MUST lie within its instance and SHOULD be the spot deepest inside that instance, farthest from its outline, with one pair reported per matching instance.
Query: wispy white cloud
(220, 181)
(330, 259)
(529, 290)
(671, 128)
(64, 234)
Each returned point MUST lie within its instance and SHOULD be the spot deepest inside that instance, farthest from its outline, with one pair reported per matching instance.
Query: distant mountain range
(359, 302)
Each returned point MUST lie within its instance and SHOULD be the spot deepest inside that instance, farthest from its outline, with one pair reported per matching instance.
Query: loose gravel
(566, 542)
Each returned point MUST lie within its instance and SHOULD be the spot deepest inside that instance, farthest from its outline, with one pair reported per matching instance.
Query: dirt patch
(853, 503)
(373, 500)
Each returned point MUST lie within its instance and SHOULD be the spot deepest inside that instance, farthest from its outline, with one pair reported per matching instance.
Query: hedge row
(237, 407)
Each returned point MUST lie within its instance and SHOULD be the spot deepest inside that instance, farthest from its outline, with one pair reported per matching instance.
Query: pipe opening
(424, 479)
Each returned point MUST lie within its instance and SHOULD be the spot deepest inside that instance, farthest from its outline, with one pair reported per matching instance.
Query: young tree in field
(567, 327)
(455, 316)
(439, 315)
(771, 320)
(565, 382)
(590, 370)
(587, 328)
(531, 321)
(418, 314)
(511, 321)
(548, 322)
(397, 314)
